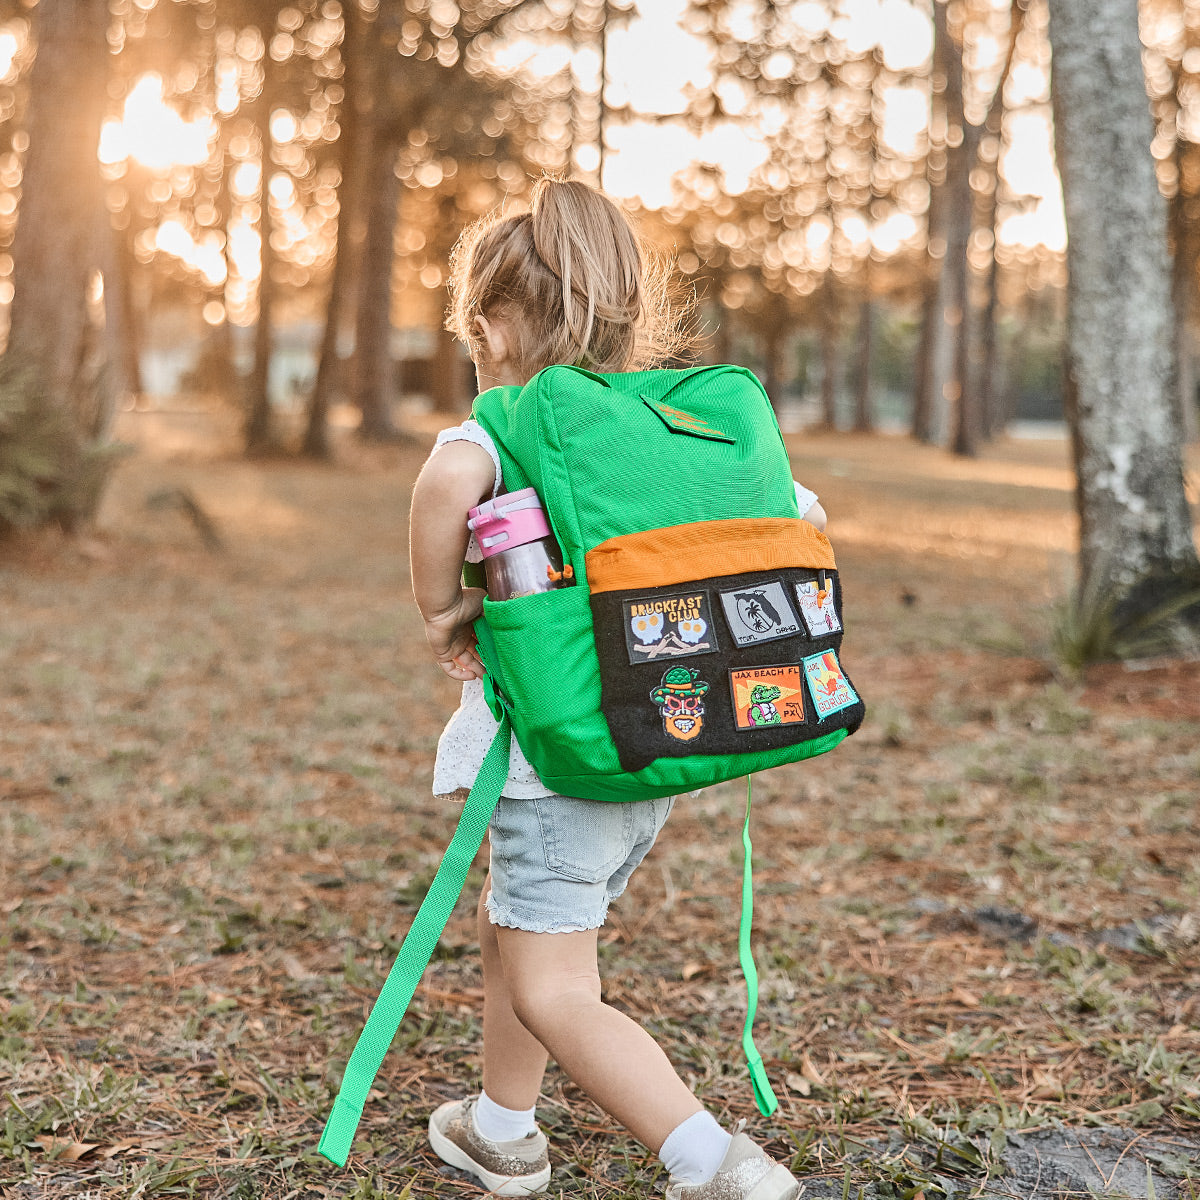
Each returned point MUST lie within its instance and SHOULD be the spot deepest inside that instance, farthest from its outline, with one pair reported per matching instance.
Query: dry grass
(215, 822)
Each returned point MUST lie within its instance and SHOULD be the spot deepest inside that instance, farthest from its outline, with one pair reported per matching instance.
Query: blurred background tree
(861, 192)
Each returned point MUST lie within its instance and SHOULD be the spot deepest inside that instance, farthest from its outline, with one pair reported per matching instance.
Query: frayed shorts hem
(508, 917)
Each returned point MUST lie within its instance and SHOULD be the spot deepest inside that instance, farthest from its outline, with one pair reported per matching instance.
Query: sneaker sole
(498, 1185)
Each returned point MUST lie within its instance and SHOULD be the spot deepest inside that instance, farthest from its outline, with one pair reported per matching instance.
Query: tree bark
(864, 410)
(934, 350)
(330, 374)
(62, 241)
(260, 432)
(829, 355)
(374, 369)
(1121, 361)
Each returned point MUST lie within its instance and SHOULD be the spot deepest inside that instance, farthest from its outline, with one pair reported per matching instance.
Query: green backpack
(699, 642)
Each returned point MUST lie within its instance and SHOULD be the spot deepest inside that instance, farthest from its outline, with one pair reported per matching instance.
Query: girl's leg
(514, 1061)
(553, 990)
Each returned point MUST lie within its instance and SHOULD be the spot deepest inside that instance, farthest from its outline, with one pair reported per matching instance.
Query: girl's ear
(495, 340)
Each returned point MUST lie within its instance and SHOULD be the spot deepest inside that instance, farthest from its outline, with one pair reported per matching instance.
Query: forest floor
(977, 922)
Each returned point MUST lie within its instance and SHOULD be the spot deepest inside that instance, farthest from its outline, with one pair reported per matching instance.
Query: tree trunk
(451, 388)
(772, 351)
(829, 357)
(60, 245)
(1183, 290)
(992, 417)
(260, 433)
(1134, 517)
(330, 375)
(374, 369)
(864, 411)
(935, 348)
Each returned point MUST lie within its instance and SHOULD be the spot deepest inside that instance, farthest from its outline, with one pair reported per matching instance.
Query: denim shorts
(557, 862)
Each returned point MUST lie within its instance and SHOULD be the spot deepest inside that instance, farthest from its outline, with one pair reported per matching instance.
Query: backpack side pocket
(547, 669)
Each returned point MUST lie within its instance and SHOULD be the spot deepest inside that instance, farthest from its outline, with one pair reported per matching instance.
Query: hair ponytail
(573, 280)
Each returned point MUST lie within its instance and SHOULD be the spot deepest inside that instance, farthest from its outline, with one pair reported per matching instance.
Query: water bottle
(520, 555)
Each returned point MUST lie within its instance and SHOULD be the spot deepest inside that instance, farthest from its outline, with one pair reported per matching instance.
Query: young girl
(566, 282)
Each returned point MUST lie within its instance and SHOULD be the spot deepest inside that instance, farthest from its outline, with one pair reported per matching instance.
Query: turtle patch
(828, 685)
(668, 626)
(680, 700)
(817, 608)
(766, 696)
(759, 613)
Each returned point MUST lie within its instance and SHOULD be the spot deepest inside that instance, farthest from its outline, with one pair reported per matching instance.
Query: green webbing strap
(416, 950)
(763, 1095)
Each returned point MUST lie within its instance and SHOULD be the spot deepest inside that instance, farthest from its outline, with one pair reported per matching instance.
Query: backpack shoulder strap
(416, 951)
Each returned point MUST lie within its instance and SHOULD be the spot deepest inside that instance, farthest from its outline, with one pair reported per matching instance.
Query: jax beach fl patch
(764, 696)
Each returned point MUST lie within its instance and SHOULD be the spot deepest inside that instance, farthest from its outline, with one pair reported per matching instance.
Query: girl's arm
(816, 516)
(456, 478)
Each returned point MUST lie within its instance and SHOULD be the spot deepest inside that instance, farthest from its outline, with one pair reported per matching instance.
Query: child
(566, 282)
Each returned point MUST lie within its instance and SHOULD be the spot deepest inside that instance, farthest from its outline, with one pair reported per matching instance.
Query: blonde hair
(573, 280)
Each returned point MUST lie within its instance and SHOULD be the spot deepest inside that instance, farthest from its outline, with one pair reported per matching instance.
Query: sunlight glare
(229, 92)
(244, 179)
(245, 249)
(153, 133)
(284, 126)
(282, 189)
(8, 51)
(643, 72)
(1027, 161)
(905, 119)
(172, 237)
(891, 234)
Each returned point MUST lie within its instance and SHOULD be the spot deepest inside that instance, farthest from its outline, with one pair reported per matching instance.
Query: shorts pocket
(585, 840)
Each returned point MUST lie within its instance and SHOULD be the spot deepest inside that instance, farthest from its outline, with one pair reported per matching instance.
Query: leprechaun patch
(673, 626)
(680, 700)
(767, 696)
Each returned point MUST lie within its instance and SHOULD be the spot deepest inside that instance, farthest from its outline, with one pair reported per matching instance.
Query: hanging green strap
(416, 950)
(763, 1095)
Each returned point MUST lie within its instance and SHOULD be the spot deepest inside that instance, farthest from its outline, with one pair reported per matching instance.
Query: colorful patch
(680, 700)
(764, 696)
(759, 612)
(686, 422)
(817, 609)
(668, 627)
(831, 690)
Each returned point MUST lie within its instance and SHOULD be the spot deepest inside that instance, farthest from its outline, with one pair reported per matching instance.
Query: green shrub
(1158, 616)
(49, 471)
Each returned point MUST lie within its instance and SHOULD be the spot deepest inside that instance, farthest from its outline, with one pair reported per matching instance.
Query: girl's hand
(452, 639)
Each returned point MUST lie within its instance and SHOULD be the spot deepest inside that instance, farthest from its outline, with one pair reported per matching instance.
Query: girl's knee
(545, 999)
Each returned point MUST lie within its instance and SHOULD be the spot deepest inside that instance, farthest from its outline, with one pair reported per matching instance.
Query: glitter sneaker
(517, 1168)
(745, 1173)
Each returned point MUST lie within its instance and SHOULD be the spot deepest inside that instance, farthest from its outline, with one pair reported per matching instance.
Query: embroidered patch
(668, 627)
(759, 613)
(680, 700)
(686, 422)
(831, 690)
(817, 609)
(767, 696)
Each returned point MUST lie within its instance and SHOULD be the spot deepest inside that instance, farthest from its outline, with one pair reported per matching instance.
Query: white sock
(695, 1149)
(499, 1124)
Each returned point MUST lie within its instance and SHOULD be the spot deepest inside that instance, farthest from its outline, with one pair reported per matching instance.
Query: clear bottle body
(525, 570)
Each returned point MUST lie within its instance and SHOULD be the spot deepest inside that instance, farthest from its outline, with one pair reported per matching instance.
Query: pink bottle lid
(507, 521)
